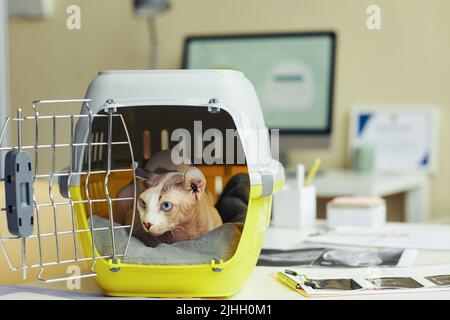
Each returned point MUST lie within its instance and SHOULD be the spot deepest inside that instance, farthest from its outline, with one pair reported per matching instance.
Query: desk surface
(259, 286)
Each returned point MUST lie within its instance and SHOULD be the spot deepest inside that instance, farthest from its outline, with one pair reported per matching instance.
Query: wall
(406, 62)
(4, 68)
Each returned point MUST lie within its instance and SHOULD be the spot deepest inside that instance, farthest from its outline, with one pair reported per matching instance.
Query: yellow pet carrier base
(210, 280)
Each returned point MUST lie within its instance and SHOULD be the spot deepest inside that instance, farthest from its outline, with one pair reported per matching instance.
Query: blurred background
(380, 71)
(405, 63)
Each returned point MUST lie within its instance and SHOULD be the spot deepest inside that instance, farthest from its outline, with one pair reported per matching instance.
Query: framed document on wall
(402, 138)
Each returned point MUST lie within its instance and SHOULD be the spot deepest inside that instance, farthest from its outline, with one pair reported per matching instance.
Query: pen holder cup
(295, 208)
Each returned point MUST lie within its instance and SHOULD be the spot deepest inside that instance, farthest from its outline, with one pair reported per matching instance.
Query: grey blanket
(220, 243)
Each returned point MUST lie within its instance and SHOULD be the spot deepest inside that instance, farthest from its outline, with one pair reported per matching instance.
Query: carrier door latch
(19, 193)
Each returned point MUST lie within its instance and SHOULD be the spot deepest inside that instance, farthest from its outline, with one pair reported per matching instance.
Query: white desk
(415, 185)
(258, 287)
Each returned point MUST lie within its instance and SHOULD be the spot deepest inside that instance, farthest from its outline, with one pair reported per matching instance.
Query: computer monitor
(293, 74)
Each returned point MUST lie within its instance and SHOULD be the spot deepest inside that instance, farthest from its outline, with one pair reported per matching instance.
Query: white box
(373, 216)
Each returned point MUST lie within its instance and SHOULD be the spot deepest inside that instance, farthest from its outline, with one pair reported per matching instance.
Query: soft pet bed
(220, 243)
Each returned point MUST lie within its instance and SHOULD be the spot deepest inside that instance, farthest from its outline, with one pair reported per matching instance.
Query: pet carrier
(126, 118)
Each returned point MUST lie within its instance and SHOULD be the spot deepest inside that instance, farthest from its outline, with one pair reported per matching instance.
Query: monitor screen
(292, 74)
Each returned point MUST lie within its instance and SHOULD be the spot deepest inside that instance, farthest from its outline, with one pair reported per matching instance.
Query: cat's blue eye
(166, 206)
(142, 204)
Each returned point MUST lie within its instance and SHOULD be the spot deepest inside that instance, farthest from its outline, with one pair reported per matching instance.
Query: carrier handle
(36, 103)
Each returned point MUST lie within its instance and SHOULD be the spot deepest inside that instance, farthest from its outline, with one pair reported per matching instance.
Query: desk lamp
(150, 9)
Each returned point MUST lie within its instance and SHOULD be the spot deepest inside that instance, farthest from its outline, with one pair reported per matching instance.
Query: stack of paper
(430, 238)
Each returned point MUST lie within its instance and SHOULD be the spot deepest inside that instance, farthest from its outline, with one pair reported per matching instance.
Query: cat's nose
(147, 225)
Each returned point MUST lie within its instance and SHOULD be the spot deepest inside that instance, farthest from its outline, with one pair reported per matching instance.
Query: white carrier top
(227, 90)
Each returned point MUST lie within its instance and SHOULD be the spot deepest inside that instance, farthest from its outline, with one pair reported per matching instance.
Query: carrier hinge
(114, 266)
(214, 105)
(217, 265)
(110, 105)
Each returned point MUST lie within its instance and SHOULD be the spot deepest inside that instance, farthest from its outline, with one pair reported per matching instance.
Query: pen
(286, 280)
(312, 173)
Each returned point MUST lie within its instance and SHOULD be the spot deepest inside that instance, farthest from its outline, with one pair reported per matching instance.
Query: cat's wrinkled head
(166, 199)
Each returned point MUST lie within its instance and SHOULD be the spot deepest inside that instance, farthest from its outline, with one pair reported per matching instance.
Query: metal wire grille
(48, 228)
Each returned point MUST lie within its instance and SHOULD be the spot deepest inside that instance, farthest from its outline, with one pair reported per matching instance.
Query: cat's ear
(142, 177)
(194, 182)
(142, 173)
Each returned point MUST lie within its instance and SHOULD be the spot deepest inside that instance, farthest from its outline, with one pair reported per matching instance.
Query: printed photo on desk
(440, 280)
(360, 283)
(394, 283)
(338, 258)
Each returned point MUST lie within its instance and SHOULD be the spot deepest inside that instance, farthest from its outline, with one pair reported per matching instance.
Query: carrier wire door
(33, 204)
